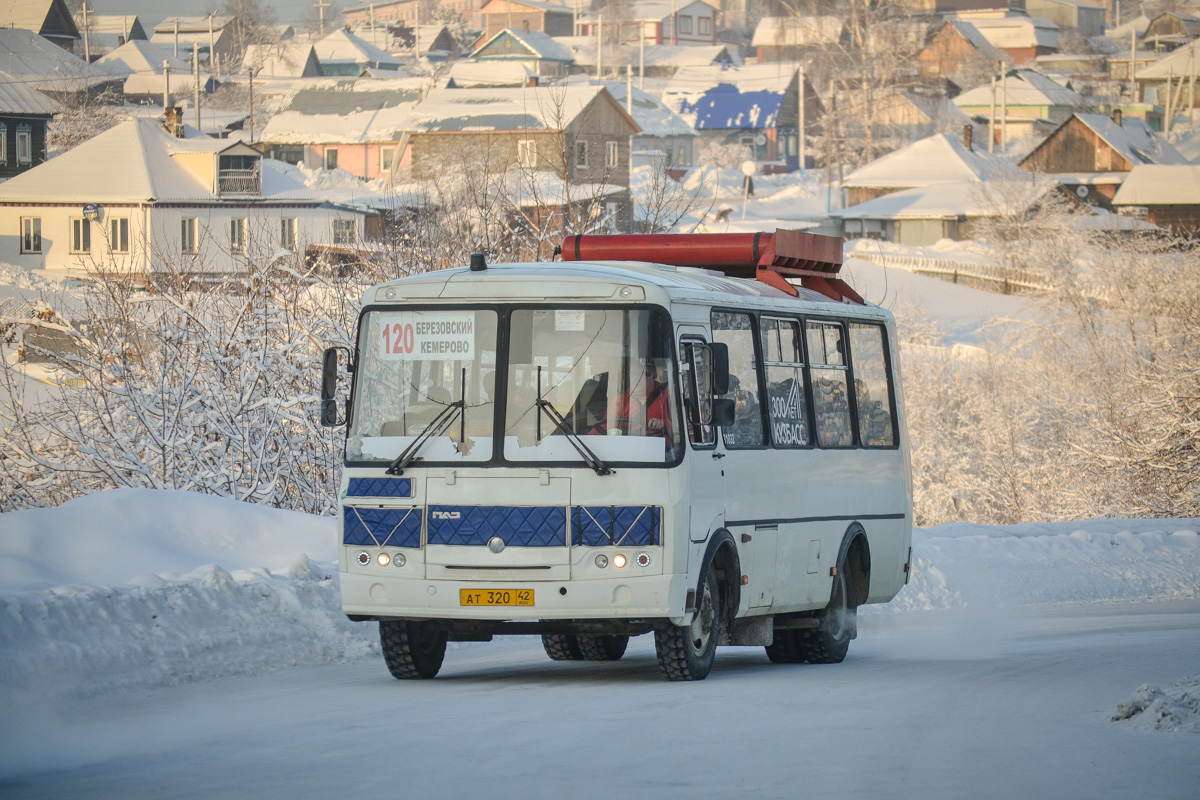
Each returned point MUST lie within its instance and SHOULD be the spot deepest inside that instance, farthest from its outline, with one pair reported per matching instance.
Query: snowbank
(1176, 709)
(139, 588)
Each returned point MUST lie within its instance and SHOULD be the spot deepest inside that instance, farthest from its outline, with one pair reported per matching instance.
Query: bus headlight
(619, 560)
(398, 560)
(601, 561)
(384, 559)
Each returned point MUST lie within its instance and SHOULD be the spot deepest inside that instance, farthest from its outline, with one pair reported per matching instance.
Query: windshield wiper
(589, 457)
(437, 427)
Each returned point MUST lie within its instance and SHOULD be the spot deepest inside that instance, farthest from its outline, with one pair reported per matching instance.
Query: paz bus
(698, 436)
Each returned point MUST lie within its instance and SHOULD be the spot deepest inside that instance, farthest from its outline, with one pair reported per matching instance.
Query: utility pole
(196, 64)
(674, 24)
(1003, 109)
(992, 120)
(166, 85)
(321, 5)
(600, 46)
(177, 37)
(374, 43)
(87, 43)
(417, 31)
(1133, 63)
(251, 70)
(629, 89)
(642, 56)
(802, 148)
(212, 46)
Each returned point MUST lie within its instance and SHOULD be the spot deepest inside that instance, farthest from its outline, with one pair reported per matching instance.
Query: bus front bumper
(643, 597)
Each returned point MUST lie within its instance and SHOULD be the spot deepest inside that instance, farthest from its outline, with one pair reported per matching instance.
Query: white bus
(604, 447)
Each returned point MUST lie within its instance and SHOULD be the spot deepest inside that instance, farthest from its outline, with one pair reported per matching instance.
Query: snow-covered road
(948, 704)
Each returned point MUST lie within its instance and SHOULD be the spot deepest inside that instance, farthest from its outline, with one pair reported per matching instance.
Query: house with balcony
(137, 199)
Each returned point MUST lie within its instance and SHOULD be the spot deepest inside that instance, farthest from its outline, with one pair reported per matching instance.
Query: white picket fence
(994, 277)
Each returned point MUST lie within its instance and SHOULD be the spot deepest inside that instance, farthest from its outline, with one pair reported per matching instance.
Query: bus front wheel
(686, 653)
(412, 649)
(603, 648)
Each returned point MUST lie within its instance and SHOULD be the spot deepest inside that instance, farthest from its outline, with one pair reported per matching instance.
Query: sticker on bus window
(567, 320)
(428, 336)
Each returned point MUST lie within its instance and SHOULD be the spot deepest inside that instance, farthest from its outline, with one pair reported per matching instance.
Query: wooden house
(1085, 18)
(1172, 29)
(211, 37)
(791, 39)
(1091, 155)
(542, 54)
(25, 114)
(657, 22)
(1166, 196)
(50, 19)
(954, 43)
(1022, 38)
(936, 159)
(551, 18)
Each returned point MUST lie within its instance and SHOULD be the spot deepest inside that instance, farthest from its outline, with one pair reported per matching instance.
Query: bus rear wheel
(686, 653)
(412, 649)
(602, 648)
(829, 641)
(562, 646)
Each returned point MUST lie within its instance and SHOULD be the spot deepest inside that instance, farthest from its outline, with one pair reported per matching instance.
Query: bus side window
(872, 390)
(697, 392)
(737, 332)
(787, 399)
(831, 403)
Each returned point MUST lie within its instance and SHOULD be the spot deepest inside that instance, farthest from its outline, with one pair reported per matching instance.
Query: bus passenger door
(704, 465)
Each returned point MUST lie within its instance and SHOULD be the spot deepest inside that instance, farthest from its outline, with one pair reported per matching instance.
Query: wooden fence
(992, 277)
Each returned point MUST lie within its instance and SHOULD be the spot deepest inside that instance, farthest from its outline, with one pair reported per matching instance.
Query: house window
(610, 216)
(31, 234)
(3, 144)
(290, 155)
(189, 235)
(527, 153)
(118, 232)
(345, 231)
(581, 154)
(287, 233)
(81, 235)
(387, 155)
(612, 154)
(24, 145)
(704, 26)
(685, 24)
(331, 158)
(238, 234)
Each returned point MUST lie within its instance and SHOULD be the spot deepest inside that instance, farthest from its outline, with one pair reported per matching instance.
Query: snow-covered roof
(1133, 140)
(797, 31)
(30, 15)
(533, 44)
(18, 98)
(1121, 33)
(948, 200)
(934, 159)
(40, 63)
(1157, 184)
(702, 55)
(193, 24)
(650, 113)
(1017, 32)
(1024, 87)
(140, 56)
(284, 59)
(1189, 146)
(180, 83)
(345, 111)
(1179, 63)
(469, 74)
(501, 6)
(344, 46)
(526, 108)
(969, 32)
(645, 10)
(714, 98)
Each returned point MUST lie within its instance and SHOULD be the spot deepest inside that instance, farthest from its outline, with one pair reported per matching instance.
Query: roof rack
(767, 257)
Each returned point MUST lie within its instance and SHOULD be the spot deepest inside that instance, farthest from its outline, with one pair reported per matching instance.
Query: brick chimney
(173, 120)
(1116, 117)
(532, 82)
(968, 131)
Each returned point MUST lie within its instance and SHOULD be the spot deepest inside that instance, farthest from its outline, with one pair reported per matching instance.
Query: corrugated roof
(36, 61)
(651, 115)
(527, 108)
(537, 44)
(970, 33)
(342, 45)
(18, 98)
(1018, 32)
(745, 97)
(1156, 184)
(29, 15)
(345, 111)
(934, 159)
(1024, 87)
(797, 31)
(140, 56)
(647, 10)
(1179, 63)
(1133, 140)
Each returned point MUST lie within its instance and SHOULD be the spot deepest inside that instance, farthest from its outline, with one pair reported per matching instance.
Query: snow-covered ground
(162, 641)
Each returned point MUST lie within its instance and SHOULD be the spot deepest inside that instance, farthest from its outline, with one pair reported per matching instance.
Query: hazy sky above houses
(152, 12)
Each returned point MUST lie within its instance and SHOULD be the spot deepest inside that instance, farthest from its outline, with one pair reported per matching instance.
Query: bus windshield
(604, 376)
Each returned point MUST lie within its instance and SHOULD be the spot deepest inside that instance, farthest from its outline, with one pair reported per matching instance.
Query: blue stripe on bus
(381, 527)
(380, 487)
(518, 526)
(632, 526)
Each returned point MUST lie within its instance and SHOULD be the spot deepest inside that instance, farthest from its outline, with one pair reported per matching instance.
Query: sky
(152, 12)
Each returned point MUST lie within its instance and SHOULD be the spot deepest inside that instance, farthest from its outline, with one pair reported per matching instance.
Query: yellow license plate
(495, 597)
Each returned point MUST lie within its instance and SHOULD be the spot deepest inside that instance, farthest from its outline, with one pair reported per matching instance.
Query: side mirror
(720, 353)
(723, 411)
(329, 372)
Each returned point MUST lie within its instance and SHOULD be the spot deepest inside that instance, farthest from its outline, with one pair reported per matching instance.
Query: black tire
(687, 653)
(562, 646)
(788, 647)
(829, 641)
(602, 648)
(412, 649)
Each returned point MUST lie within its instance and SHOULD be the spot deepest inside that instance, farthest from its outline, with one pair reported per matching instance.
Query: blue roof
(725, 106)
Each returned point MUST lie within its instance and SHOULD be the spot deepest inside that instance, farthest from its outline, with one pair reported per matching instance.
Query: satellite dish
(749, 168)
(1081, 190)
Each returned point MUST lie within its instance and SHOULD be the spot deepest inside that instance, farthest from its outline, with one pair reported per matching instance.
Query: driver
(647, 402)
